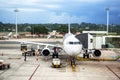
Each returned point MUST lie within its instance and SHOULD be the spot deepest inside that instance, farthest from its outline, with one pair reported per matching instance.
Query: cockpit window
(74, 42)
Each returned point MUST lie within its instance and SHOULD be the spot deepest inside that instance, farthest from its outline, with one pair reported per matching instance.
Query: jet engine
(97, 53)
(46, 52)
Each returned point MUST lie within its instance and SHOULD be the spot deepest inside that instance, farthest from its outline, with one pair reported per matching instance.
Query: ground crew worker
(37, 53)
(25, 52)
(55, 54)
(33, 51)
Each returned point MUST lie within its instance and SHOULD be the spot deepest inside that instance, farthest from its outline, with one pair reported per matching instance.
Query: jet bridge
(86, 39)
(88, 43)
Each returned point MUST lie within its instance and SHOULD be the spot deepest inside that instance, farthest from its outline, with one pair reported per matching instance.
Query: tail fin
(53, 33)
(9, 34)
(69, 28)
(69, 32)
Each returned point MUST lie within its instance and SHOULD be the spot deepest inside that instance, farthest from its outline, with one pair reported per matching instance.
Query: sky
(59, 11)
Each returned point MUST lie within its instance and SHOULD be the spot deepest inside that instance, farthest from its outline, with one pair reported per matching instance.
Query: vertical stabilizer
(69, 32)
(69, 28)
(9, 34)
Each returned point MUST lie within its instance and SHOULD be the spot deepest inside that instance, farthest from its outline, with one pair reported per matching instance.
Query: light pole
(107, 9)
(16, 10)
(33, 31)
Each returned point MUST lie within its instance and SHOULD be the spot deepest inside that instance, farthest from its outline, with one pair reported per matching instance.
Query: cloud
(30, 10)
(33, 5)
(20, 2)
(61, 10)
(90, 1)
(65, 18)
(51, 6)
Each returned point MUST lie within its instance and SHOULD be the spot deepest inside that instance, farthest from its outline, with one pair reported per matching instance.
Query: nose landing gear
(73, 65)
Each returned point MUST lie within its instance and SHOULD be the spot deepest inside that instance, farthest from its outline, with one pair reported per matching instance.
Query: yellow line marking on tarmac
(99, 59)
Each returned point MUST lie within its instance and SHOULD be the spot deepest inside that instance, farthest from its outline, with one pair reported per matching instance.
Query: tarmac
(31, 69)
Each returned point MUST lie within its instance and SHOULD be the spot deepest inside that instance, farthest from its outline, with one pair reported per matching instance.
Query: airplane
(7, 36)
(52, 34)
(71, 46)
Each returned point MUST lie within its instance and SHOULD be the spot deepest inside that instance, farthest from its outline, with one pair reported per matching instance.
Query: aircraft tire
(83, 55)
(87, 55)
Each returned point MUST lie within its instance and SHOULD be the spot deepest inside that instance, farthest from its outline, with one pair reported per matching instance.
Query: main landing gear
(86, 54)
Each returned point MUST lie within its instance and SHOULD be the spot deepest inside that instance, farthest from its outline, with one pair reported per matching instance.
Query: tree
(63, 28)
(1, 26)
(39, 29)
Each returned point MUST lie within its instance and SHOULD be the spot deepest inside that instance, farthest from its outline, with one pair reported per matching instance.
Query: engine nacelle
(97, 53)
(46, 52)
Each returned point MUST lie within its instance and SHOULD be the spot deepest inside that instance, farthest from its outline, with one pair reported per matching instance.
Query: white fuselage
(72, 45)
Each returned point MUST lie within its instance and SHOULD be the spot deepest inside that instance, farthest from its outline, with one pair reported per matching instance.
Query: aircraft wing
(36, 43)
(47, 46)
